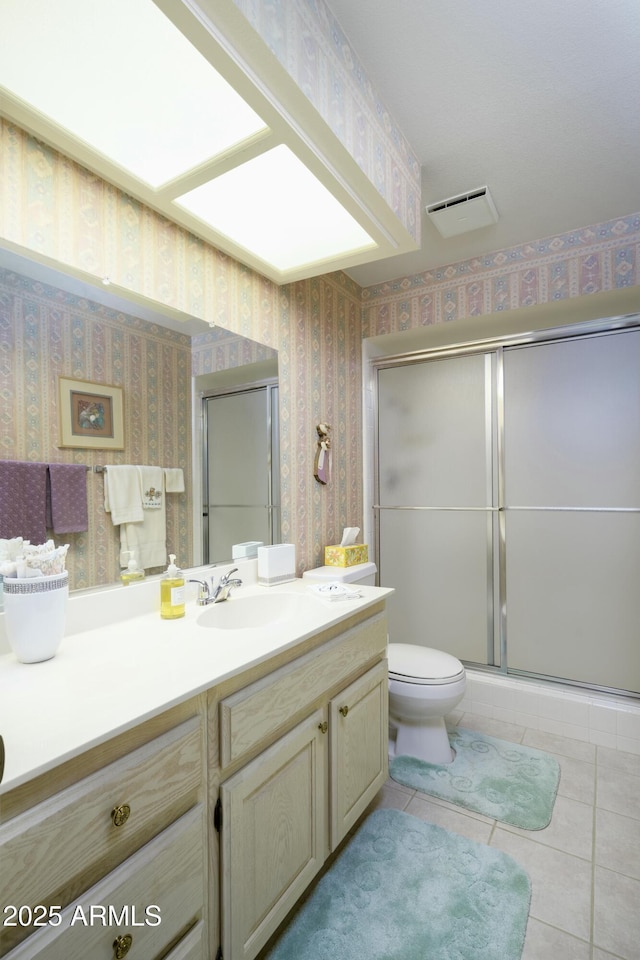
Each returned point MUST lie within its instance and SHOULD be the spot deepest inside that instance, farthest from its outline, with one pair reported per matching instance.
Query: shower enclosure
(507, 502)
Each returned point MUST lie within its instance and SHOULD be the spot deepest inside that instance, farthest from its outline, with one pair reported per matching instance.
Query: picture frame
(91, 415)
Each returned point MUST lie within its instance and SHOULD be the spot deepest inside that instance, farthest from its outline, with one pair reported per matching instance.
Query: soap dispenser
(133, 571)
(172, 592)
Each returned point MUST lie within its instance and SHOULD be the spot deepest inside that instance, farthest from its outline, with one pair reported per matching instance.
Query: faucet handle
(204, 592)
(225, 579)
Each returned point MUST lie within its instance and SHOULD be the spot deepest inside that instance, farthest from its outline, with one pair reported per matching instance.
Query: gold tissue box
(346, 556)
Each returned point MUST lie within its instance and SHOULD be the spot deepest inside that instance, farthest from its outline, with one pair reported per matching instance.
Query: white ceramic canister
(34, 611)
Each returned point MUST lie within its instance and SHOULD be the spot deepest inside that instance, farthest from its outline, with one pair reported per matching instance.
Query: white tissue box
(276, 564)
(240, 551)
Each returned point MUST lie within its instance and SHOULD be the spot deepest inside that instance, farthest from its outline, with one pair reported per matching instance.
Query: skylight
(122, 78)
(275, 207)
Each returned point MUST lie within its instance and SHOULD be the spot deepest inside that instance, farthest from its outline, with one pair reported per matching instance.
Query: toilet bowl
(424, 686)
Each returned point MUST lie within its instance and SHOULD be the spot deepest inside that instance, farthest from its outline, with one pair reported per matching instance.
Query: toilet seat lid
(416, 664)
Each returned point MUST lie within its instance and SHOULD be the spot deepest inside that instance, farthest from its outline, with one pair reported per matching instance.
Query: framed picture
(91, 415)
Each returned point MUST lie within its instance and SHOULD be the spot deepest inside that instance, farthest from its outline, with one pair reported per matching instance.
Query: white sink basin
(254, 611)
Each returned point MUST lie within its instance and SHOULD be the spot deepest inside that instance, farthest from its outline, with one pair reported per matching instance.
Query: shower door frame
(496, 526)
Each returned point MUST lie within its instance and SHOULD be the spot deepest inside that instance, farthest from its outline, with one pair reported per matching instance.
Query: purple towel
(23, 500)
(67, 498)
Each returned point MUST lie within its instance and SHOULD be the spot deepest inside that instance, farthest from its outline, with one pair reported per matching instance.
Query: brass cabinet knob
(121, 946)
(344, 711)
(120, 815)
(323, 727)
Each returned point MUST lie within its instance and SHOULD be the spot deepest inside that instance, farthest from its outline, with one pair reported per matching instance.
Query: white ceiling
(537, 99)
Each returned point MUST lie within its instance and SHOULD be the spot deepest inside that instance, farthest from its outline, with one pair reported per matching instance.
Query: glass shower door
(572, 499)
(436, 502)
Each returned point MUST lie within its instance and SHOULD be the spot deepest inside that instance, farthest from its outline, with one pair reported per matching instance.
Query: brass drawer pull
(120, 815)
(121, 946)
(323, 727)
(344, 711)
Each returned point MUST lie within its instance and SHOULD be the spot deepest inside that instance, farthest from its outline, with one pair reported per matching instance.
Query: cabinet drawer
(155, 897)
(264, 708)
(54, 851)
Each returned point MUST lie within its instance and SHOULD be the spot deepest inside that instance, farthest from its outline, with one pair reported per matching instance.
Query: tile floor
(584, 867)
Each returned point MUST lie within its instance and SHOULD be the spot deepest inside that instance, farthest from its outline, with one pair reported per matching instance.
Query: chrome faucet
(210, 594)
(223, 590)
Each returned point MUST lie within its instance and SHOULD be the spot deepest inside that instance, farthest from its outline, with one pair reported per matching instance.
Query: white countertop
(106, 679)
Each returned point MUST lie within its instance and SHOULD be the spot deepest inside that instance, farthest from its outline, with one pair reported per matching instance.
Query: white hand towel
(174, 479)
(152, 480)
(149, 546)
(149, 538)
(123, 494)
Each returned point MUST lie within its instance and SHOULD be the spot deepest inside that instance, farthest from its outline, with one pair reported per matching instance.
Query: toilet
(424, 684)
(364, 573)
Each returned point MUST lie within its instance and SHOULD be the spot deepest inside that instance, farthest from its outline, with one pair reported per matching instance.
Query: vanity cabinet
(283, 812)
(197, 829)
(115, 854)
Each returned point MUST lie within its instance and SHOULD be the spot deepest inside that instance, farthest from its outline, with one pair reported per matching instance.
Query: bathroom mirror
(164, 384)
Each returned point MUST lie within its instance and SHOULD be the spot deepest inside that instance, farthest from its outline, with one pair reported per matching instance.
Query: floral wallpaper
(598, 258)
(218, 349)
(46, 333)
(52, 208)
(323, 351)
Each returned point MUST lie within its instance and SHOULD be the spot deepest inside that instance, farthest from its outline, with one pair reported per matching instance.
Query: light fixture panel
(273, 206)
(123, 80)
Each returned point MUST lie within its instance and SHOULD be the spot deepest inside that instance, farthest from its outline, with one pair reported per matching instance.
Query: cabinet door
(273, 835)
(358, 721)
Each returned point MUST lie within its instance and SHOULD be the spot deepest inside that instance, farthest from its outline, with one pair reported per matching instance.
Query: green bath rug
(504, 781)
(403, 889)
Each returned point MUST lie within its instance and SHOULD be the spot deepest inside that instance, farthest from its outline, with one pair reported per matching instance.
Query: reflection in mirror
(53, 325)
(241, 481)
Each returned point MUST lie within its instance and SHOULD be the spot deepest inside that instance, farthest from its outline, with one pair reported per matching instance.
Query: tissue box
(337, 556)
(241, 551)
(276, 564)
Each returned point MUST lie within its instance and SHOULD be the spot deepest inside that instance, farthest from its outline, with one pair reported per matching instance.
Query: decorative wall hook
(322, 464)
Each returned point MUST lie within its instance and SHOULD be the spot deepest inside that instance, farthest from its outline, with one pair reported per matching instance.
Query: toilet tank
(364, 573)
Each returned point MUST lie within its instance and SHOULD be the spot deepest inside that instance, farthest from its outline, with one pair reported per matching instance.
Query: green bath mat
(504, 781)
(403, 889)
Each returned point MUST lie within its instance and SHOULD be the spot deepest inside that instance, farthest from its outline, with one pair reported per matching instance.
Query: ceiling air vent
(463, 213)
